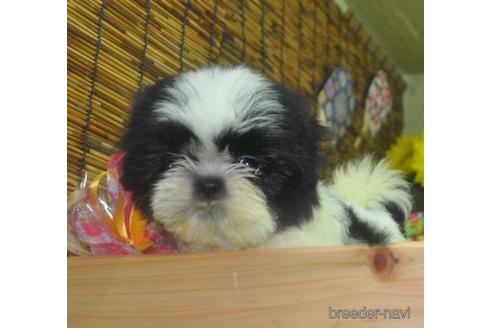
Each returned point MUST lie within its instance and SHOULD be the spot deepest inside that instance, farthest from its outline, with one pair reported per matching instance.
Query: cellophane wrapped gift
(103, 219)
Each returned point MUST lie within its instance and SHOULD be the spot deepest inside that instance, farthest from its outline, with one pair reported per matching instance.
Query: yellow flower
(407, 155)
(418, 160)
(400, 154)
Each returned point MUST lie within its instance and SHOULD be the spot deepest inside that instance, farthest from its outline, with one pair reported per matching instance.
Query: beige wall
(413, 104)
(397, 26)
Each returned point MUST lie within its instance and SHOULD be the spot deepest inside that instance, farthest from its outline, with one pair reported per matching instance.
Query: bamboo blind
(117, 46)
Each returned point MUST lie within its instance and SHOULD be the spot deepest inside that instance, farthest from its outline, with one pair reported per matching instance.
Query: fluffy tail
(370, 186)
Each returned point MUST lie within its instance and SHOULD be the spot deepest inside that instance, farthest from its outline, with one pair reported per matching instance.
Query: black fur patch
(362, 231)
(397, 214)
(149, 145)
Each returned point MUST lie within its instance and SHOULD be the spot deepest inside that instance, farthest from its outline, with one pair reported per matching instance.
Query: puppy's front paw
(373, 186)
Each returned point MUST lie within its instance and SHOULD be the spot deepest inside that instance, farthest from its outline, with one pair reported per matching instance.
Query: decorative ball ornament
(378, 103)
(336, 103)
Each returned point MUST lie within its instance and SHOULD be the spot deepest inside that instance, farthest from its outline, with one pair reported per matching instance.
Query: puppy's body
(226, 159)
(367, 213)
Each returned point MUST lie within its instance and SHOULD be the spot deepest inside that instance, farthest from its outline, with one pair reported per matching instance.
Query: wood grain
(274, 288)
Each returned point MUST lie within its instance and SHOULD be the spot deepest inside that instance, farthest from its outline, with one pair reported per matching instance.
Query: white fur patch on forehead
(212, 99)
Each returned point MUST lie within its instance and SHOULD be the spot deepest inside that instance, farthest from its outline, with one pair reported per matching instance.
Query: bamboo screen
(117, 46)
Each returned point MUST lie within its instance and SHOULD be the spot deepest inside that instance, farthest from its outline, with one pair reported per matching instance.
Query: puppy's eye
(250, 162)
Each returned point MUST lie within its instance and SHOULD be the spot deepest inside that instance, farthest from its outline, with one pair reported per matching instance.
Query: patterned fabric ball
(337, 103)
(378, 103)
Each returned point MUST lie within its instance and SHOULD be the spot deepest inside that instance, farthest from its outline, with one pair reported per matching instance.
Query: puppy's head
(222, 158)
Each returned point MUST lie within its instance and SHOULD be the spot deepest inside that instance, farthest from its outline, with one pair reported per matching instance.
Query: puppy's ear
(301, 137)
(140, 166)
(301, 117)
(146, 99)
(143, 104)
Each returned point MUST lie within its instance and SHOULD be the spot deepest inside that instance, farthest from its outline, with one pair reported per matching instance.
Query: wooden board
(274, 288)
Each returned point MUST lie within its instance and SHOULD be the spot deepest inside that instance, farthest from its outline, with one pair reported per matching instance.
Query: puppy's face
(222, 158)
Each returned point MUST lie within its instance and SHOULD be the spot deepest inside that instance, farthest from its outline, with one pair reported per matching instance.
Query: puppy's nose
(209, 187)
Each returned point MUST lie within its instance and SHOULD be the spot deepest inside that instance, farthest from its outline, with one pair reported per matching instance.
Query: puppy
(224, 159)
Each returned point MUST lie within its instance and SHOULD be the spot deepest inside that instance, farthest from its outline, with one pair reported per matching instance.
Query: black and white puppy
(224, 158)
